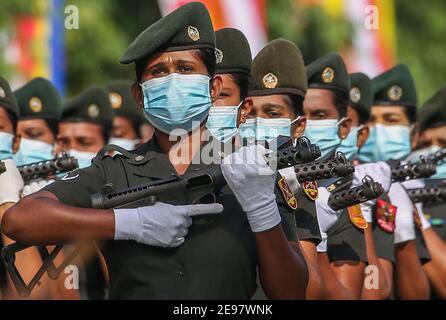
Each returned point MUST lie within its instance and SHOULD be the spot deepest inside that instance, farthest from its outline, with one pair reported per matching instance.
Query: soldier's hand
(404, 220)
(326, 216)
(11, 183)
(253, 181)
(380, 172)
(35, 186)
(161, 225)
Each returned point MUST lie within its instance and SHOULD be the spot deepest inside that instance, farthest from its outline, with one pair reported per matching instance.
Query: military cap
(7, 98)
(39, 98)
(92, 105)
(395, 87)
(188, 27)
(433, 112)
(329, 72)
(278, 69)
(232, 52)
(122, 102)
(361, 94)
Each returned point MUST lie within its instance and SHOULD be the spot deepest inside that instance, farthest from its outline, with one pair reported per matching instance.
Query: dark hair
(53, 125)
(13, 118)
(242, 81)
(207, 55)
(296, 102)
(341, 101)
(411, 113)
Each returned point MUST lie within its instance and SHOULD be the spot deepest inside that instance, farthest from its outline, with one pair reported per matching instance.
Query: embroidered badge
(355, 94)
(287, 193)
(395, 93)
(385, 215)
(93, 110)
(310, 189)
(356, 217)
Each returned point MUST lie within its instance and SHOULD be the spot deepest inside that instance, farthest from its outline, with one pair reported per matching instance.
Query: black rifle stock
(2, 167)
(198, 187)
(369, 190)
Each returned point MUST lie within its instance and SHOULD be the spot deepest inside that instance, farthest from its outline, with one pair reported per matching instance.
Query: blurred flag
(39, 44)
(374, 41)
(249, 16)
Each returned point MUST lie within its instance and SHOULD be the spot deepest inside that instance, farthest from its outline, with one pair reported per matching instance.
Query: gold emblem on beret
(93, 110)
(115, 100)
(355, 94)
(2, 93)
(395, 93)
(218, 56)
(193, 33)
(35, 104)
(270, 81)
(328, 75)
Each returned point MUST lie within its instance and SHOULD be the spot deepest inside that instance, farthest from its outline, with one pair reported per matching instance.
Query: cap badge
(328, 75)
(115, 100)
(35, 104)
(193, 33)
(395, 93)
(355, 94)
(2, 93)
(218, 56)
(270, 81)
(93, 110)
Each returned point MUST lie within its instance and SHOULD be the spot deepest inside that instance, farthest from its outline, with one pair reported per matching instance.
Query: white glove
(326, 217)
(161, 225)
(404, 224)
(252, 181)
(424, 222)
(35, 186)
(413, 184)
(11, 183)
(380, 172)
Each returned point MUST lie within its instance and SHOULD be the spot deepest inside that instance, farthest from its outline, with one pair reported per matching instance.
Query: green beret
(92, 105)
(188, 27)
(329, 72)
(361, 94)
(395, 87)
(39, 98)
(122, 102)
(232, 53)
(7, 99)
(278, 69)
(433, 112)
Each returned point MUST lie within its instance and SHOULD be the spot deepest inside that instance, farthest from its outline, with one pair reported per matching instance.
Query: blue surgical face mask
(222, 122)
(5, 145)
(266, 129)
(127, 144)
(349, 145)
(414, 157)
(385, 143)
(83, 158)
(177, 101)
(324, 133)
(31, 151)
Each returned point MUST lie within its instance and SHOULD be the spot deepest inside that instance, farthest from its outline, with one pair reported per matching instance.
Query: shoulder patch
(385, 214)
(356, 217)
(310, 189)
(287, 193)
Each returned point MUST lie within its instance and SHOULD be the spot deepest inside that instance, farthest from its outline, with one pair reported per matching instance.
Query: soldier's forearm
(42, 219)
(283, 271)
(410, 280)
